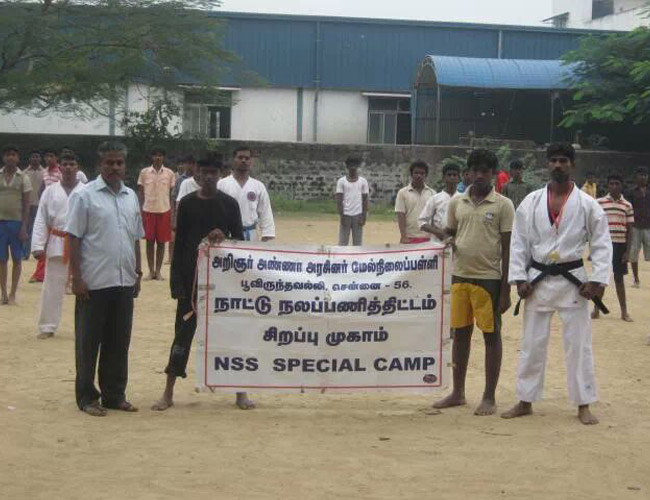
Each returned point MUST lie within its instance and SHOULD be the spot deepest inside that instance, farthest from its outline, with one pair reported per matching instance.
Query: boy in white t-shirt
(352, 203)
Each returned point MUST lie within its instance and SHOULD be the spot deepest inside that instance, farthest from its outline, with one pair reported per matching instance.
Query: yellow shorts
(475, 300)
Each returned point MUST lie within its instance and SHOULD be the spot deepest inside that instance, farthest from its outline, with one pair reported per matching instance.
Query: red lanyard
(555, 219)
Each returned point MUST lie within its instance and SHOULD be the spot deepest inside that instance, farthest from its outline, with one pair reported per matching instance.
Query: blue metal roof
(369, 54)
(482, 73)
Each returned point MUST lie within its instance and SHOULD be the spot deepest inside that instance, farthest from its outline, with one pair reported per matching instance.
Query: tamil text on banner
(323, 318)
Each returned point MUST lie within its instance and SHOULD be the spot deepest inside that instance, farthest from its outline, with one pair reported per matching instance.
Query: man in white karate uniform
(251, 194)
(49, 239)
(256, 214)
(553, 226)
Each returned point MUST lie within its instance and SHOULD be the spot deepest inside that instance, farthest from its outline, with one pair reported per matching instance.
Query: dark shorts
(475, 301)
(618, 266)
(9, 239)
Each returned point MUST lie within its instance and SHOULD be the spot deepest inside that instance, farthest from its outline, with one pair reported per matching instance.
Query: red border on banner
(332, 253)
(233, 386)
(207, 317)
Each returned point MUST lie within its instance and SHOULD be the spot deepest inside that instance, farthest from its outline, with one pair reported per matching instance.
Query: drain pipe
(317, 80)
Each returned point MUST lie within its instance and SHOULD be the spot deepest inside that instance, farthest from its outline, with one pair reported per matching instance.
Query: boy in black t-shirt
(204, 213)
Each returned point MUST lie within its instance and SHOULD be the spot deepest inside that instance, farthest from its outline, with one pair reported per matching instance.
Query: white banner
(323, 318)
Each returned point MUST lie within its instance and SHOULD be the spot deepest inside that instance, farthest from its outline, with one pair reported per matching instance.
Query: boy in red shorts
(155, 185)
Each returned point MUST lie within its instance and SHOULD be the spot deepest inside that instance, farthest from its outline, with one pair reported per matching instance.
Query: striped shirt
(619, 214)
(51, 176)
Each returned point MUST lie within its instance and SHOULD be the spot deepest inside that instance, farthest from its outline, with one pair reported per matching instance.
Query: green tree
(79, 56)
(611, 82)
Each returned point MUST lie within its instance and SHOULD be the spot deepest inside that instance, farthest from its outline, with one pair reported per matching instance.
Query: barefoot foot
(627, 317)
(243, 403)
(521, 409)
(585, 415)
(162, 404)
(45, 335)
(595, 314)
(487, 407)
(450, 401)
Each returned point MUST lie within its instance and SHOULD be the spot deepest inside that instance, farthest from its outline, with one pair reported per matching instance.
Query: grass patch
(285, 206)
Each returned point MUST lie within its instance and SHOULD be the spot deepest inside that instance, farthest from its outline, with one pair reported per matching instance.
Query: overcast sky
(526, 12)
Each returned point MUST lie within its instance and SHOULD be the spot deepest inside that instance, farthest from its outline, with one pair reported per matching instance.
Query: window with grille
(205, 120)
(389, 120)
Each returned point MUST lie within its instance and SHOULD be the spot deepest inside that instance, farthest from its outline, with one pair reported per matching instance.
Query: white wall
(342, 117)
(52, 123)
(626, 17)
(136, 98)
(579, 11)
(267, 114)
(626, 14)
(264, 114)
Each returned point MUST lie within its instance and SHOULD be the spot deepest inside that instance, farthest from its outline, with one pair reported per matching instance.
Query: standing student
(186, 187)
(433, 218)
(35, 172)
(410, 202)
(204, 213)
(552, 229)
(51, 175)
(15, 190)
(155, 184)
(49, 240)
(254, 207)
(185, 171)
(254, 201)
(52, 172)
(590, 186)
(640, 199)
(516, 189)
(480, 221)
(620, 218)
(352, 193)
(105, 228)
(466, 180)
(502, 178)
(68, 151)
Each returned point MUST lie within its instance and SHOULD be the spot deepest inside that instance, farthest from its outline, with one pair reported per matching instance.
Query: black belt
(562, 269)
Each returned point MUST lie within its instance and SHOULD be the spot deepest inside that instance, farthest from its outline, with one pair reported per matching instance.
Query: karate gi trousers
(56, 276)
(576, 332)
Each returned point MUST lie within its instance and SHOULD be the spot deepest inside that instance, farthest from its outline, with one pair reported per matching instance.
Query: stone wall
(304, 171)
(310, 171)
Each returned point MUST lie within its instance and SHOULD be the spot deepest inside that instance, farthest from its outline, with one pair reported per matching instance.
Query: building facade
(319, 79)
(618, 15)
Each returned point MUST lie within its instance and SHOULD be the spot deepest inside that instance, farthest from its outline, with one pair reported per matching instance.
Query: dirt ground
(316, 446)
